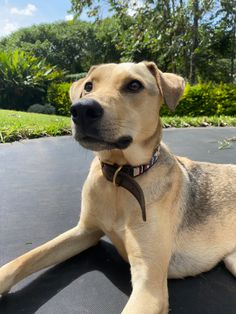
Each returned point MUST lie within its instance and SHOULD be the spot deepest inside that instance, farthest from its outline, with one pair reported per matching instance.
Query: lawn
(16, 125)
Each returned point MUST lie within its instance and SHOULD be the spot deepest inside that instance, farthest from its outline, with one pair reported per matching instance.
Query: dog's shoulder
(207, 188)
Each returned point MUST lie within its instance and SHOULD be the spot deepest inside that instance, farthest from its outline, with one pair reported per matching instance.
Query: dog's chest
(113, 223)
(118, 210)
(114, 210)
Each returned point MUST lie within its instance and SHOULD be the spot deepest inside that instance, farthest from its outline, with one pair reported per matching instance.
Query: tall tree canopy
(195, 38)
(72, 46)
(188, 36)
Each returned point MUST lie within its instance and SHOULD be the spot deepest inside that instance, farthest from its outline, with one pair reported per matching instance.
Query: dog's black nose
(86, 110)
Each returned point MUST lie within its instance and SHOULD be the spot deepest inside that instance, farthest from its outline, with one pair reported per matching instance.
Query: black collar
(124, 176)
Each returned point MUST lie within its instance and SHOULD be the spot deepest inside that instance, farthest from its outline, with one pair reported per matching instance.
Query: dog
(168, 216)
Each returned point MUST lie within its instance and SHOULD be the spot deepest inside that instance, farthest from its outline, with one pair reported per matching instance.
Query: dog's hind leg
(53, 252)
(230, 262)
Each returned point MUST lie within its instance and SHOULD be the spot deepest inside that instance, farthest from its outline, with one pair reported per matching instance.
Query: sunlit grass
(183, 122)
(16, 125)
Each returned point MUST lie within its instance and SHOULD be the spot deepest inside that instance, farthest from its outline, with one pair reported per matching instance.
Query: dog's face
(117, 105)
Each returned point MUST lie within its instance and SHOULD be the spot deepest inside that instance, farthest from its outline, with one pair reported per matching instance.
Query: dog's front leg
(149, 252)
(53, 252)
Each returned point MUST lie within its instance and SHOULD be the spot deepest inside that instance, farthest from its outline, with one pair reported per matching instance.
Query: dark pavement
(40, 186)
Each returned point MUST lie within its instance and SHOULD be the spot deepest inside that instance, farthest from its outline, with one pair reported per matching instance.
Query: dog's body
(190, 206)
(192, 191)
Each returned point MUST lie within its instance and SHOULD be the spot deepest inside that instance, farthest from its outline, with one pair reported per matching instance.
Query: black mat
(40, 185)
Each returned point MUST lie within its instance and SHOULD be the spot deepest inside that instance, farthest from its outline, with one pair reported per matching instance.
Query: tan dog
(190, 206)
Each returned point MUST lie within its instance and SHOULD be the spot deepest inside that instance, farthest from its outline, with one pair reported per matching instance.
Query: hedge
(58, 94)
(45, 109)
(58, 97)
(206, 99)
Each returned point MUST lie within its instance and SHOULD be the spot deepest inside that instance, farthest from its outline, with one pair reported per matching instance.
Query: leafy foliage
(58, 96)
(58, 43)
(73, 46)
(193, 38)
(181, 36)
(206, 100)
(24, 79)
(203, 99)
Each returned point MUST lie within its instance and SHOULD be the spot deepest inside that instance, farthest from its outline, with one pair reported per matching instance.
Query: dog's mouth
(95, 138)
(98, 144)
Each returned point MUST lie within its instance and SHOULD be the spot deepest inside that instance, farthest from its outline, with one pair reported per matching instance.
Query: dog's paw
(6, 280)
(230, 263)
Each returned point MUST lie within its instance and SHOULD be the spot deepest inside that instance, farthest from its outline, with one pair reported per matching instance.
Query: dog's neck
(122, 167)
(136, 154)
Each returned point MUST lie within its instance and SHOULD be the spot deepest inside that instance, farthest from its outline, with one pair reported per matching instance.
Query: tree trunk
(193, 58)
(233, 49)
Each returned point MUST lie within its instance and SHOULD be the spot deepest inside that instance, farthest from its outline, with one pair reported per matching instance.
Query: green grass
(183, 122)
(16, 125)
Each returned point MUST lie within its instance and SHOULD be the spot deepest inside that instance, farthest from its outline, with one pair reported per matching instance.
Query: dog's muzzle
(86, 113)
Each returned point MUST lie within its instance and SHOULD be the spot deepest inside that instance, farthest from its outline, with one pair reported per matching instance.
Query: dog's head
(116, 106)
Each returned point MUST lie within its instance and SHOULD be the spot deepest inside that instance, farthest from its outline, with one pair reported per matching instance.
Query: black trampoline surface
(40, 186)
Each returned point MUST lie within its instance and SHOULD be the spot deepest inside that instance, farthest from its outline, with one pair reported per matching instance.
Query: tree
(48, 41)
(73, 46)
(179, 35)
(228, 22)
(195, 44)
(191, 37)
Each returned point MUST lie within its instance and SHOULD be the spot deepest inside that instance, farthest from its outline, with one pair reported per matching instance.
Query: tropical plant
(24, 79)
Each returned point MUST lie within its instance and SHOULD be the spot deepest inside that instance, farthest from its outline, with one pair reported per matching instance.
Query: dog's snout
(86, 110)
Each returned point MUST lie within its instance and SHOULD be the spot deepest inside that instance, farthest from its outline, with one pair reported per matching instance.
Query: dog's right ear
(76, 88)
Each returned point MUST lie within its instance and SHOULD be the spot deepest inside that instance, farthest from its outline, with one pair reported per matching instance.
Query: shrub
(58, 96)
(198, 100)
(24, 79)
(206, 100)
(46, 109)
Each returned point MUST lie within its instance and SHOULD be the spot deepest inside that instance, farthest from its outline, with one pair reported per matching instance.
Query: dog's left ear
(171, 85)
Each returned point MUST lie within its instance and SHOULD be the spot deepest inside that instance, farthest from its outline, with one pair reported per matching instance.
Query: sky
(15, 14)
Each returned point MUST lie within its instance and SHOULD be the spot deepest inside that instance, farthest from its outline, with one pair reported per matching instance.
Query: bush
(198, 100)
(46, 109)
(58, 96)
(206, 100)
(24, 79)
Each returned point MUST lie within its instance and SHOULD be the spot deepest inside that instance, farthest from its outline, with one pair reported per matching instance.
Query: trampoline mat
(40, 184)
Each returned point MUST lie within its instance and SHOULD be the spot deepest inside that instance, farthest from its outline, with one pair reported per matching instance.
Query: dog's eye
(88, 86)
(134, 86)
